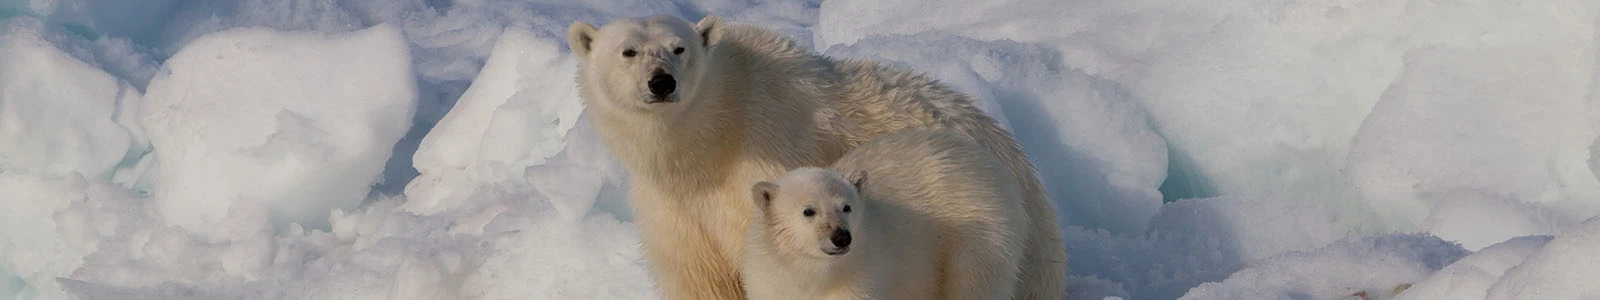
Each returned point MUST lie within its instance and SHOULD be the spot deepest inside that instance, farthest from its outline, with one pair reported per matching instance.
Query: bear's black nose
(662, 85)
(840, 238)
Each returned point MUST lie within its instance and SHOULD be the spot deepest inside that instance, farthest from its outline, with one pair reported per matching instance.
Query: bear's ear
(709, 29)
(762, 193)
(857, 178)
(580, 36)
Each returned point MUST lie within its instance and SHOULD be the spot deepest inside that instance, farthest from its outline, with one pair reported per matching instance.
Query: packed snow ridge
(412, 149)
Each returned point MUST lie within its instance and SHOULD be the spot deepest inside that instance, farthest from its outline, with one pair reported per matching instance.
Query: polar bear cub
(940, 218)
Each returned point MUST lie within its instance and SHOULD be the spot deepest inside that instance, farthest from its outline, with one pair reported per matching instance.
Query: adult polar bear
(698, 113)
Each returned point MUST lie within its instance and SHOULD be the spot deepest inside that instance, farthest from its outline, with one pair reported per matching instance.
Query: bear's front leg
(688, 266)
(683, 257)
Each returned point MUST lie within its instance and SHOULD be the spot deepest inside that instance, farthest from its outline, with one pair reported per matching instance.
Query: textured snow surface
(1373, 267)
(1559, 270)
(297, 122)
(1471, 276)
(436, 149)
(61, 115)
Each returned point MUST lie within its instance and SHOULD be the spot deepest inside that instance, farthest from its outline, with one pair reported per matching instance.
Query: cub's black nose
(662, 84)
(840, 238)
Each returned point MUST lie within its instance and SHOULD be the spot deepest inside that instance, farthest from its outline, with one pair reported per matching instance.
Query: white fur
(935, 217)
(750, 104)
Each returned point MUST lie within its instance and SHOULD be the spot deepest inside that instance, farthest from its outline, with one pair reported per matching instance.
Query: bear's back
(933, 172)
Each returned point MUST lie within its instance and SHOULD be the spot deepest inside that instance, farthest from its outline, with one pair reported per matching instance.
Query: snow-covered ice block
(298, 123)
(517, 113)
(1469, 134)
(59, 115)
(1375, 267)
(1565, 268)
(1471, 276)
(37, 244)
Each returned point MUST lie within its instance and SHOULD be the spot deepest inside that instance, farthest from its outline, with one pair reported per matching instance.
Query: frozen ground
(435, 149)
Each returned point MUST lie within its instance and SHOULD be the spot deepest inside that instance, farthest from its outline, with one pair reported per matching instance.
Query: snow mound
(38, 243)
(1563, 269)
(1371, 268)
(1471, 276)
(298, 123)
(514, 115)
(60, 115)
(1527, 124)
(1090, 140)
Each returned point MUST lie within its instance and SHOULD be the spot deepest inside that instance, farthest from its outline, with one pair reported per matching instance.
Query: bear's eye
(846, 208)
(629, 53)
(808, 212)
(678, 50)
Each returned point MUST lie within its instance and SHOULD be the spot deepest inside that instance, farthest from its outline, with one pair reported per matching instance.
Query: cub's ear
(710, 30)
(762, 193)
(857, 178)
(580, 36)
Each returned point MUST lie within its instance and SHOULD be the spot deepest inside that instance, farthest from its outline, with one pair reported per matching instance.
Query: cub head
(642, 65)
(810, 212)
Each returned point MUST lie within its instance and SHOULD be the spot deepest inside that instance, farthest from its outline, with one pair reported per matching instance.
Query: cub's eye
(678, 50)
(846, 208)
(808, 212)
(629, 53)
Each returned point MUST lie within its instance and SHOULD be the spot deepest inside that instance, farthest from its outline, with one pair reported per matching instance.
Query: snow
(505, 121)
(59, 115)
(1471, 276)
(38, 245)
(1594, 150)
(1562, 269)
(297, 122)
(428, 149)
(1528, 124)
(1373, 267)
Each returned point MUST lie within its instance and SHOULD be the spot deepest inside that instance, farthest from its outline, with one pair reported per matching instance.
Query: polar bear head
(646, 65)
(810, 211)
